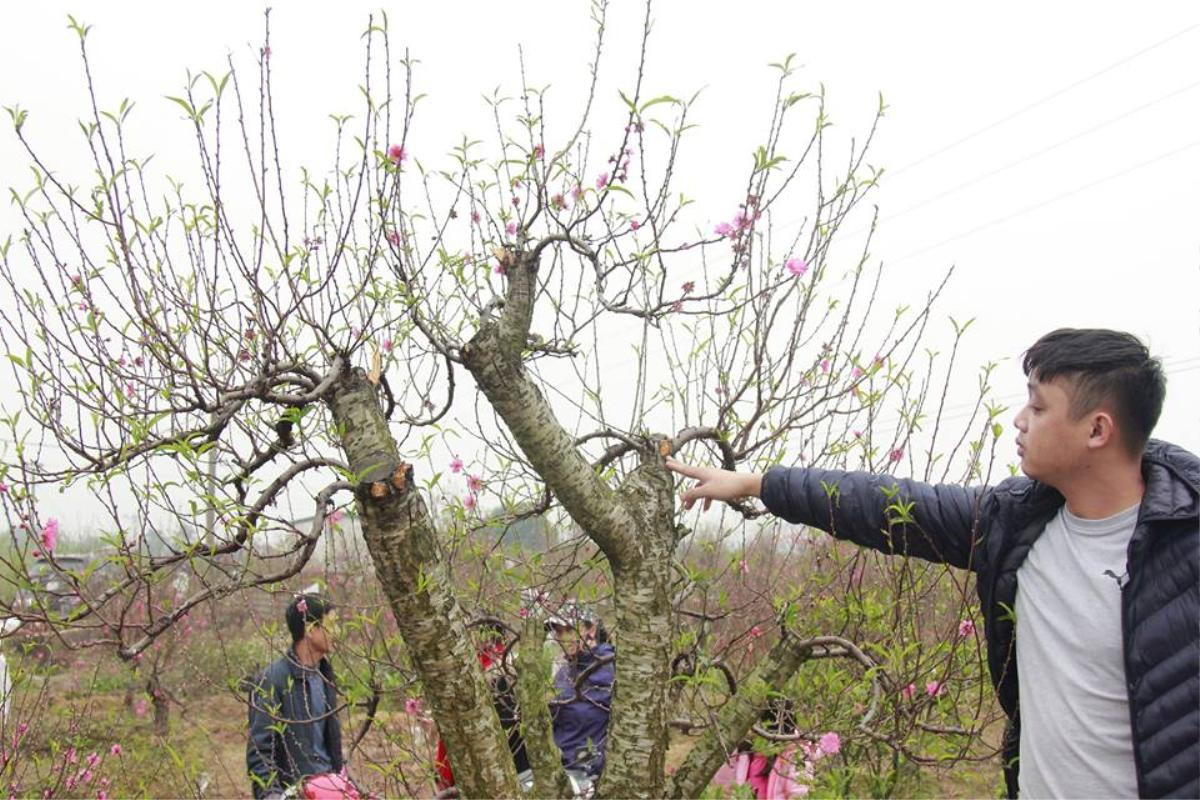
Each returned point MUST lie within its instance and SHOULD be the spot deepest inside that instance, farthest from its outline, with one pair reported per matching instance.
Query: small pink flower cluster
(932, 689)
(49, 534)
(742, 222)
(474, 484)
(620, 170)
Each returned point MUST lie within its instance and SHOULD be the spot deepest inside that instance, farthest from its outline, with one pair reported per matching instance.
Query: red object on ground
(489, 655)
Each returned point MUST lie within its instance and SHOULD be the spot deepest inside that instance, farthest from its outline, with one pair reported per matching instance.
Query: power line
(1044, 203)
(1031, 156)
(1042, 101)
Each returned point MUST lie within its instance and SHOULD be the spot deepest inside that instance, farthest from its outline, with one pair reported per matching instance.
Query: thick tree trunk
(401, 538)
(637, 745)
(634, 528)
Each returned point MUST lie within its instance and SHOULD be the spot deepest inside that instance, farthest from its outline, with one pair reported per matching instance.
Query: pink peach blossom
(966, 628)
(830, 743)
(456, 465)
(397, 154)
(474, 483)
(50, 534)
(896, 455)
(935, 688)
(796, 266)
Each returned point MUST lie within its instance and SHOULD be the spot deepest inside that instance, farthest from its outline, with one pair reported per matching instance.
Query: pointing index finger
(682, 469)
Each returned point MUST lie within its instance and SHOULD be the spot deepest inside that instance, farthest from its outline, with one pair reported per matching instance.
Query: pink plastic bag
(784, 781)
(330, 786)
(733, 772)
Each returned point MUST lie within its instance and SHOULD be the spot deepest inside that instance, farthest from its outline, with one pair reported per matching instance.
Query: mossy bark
(410, 566)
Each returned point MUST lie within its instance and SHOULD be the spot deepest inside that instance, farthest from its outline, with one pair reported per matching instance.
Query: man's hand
(716, 484)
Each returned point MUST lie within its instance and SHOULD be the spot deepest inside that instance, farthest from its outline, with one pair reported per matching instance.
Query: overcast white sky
(1050, 151)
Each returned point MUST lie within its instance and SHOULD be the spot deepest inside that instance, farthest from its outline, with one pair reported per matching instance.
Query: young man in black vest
(1097, 551)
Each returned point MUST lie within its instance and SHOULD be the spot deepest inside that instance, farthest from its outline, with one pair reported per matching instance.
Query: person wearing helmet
(583, 684)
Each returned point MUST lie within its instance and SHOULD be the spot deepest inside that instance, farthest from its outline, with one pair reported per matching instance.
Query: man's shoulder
(1017, 486)
(1019, 500)
(1172, 482)
(1180, 461)
(277, 672)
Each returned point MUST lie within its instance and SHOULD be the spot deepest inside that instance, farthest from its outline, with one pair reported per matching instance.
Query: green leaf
(666, 98)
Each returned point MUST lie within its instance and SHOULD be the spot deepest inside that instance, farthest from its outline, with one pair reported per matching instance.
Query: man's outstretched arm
(904, 517)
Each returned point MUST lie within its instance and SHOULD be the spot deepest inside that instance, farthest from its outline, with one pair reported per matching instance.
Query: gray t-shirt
(1076, 737)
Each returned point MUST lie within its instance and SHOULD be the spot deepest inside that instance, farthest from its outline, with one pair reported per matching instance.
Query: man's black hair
(1104, 367)
(315, 609)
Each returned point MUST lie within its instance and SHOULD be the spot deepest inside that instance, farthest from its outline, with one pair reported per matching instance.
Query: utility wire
(1044, 203)
(1042, 101)
(1030, 157)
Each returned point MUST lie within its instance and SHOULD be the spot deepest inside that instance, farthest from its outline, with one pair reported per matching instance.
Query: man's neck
(1105, 490)
(306, 655)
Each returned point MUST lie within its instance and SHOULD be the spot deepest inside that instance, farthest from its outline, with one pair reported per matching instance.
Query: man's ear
(1103, 430)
